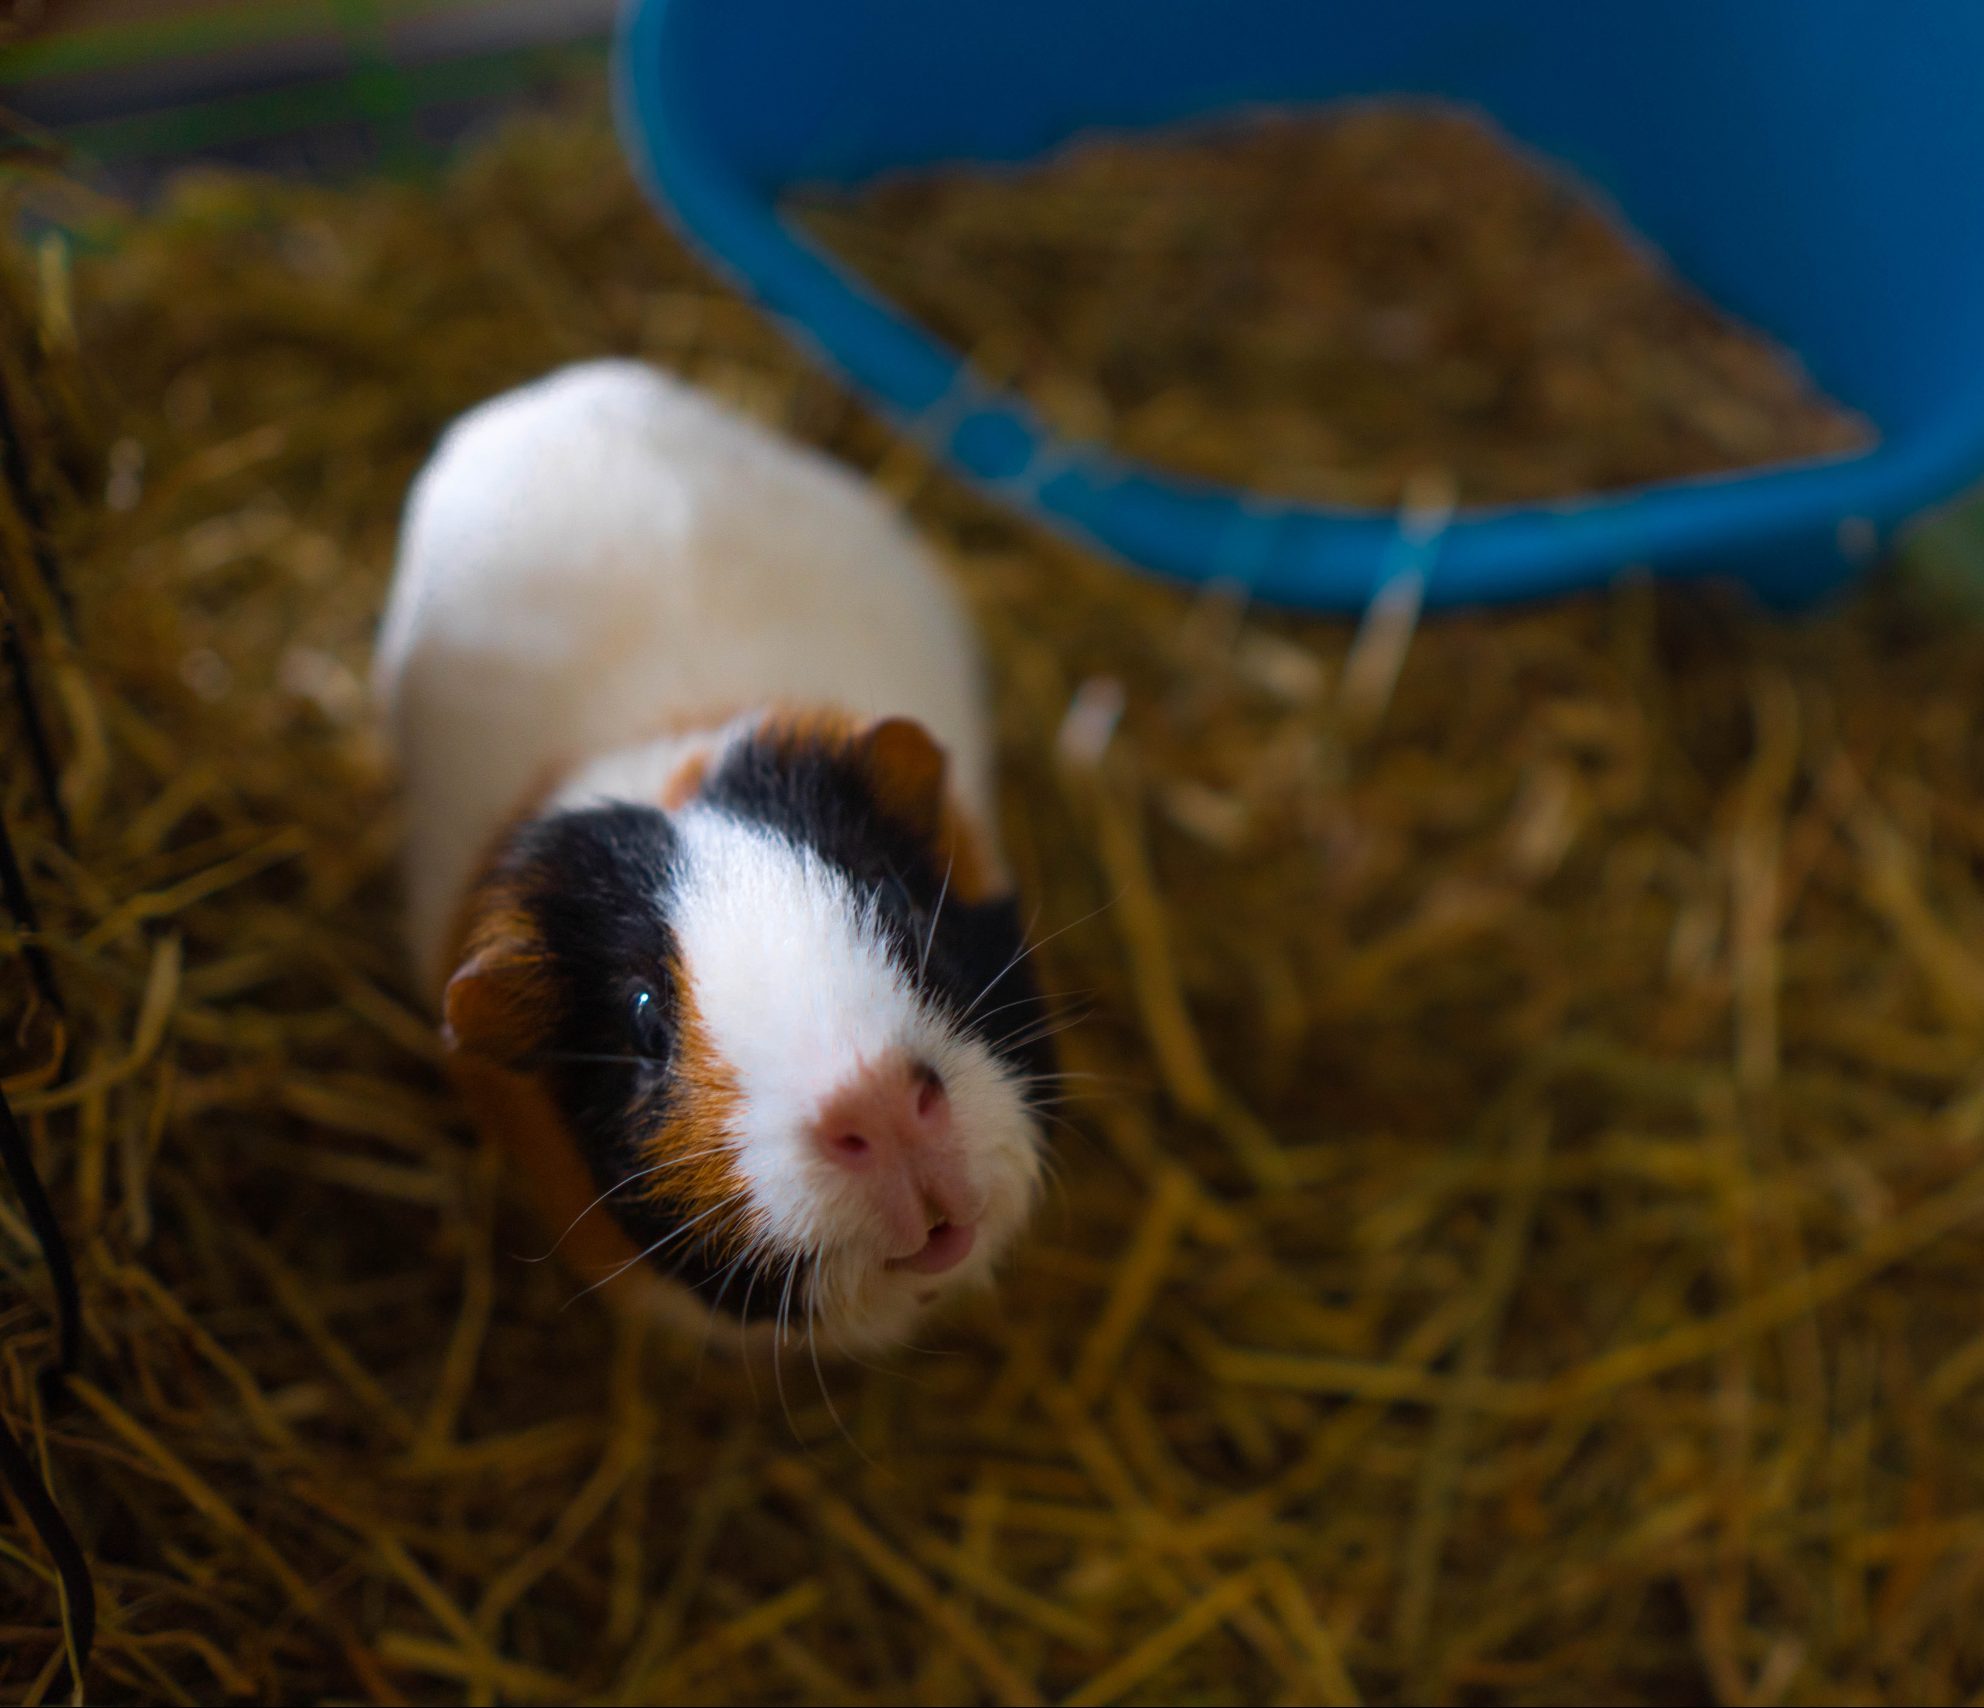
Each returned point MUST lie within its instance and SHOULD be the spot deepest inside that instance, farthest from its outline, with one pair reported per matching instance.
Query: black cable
(19, 1163)
(20, 903)
(16, 1468)
(23, 1478)
(20, 482)
(14, 466)
(33, 725)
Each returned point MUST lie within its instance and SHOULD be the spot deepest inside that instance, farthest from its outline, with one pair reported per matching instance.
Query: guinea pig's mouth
(948, 1245)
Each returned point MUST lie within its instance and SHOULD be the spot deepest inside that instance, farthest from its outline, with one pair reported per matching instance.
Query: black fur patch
(596, 882)
(974, 965)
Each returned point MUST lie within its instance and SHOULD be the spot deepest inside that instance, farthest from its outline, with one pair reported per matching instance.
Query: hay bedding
(1521, 1242)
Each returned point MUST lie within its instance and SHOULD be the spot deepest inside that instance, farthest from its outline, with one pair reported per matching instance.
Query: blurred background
(329, 89)
(323, 87)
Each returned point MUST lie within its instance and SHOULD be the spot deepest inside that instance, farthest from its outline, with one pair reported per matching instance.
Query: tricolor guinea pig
(699, 863)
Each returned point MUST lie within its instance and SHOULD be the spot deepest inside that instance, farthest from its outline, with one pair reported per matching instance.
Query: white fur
(797, 991)
(793, 978)
(607, 552)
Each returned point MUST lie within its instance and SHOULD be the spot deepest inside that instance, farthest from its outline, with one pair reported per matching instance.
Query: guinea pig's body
(699, 861)
(604, 557)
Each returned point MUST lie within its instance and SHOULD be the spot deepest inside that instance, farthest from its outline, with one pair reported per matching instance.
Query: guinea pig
(700, 865)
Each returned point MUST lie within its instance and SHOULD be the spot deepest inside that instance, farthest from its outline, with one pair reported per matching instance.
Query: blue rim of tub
(1793, 533)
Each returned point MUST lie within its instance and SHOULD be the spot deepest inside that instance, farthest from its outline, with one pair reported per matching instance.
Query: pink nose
(890, 1128)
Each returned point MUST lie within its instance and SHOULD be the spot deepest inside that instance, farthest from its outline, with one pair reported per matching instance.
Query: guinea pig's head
(788, 1020)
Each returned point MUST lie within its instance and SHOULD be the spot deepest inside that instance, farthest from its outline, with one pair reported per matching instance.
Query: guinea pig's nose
(888, 1110)
(890, 1127)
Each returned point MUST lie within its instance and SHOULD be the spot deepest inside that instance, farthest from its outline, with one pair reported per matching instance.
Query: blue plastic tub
(1817, 166)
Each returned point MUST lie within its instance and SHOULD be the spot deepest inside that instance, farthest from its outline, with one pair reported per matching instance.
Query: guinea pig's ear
(908, 770)
(498, 1005)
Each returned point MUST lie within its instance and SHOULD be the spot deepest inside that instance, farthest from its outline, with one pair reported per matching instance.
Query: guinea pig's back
(607, 552)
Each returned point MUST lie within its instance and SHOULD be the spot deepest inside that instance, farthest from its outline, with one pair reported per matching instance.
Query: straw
(1518, 1189)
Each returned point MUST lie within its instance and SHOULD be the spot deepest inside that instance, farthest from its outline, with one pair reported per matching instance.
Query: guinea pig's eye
(647, 1022)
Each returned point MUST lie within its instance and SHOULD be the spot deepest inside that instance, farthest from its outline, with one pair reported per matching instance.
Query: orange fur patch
(682, 788)
(514, 1112)
(499, 1003)
(787, 726)
(693, 1148)
(499, 1008)
(908, 770)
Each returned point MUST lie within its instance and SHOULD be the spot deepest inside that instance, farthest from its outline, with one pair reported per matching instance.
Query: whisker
(1026, 948)
(1057, 1190)
(539, 1056)
(1044, 1105)
(1075, 1076)
(936, 913)
(1034, 947)
(729, 1275)
(778, 1349)
(743, 1330)
(1045, 1030)
(1055, 997)
(1064, 1018)
(640, 1174)
(906, 935)
(1054, 1118)
(659, 1245)
(709, 1330)
(819, 1375)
